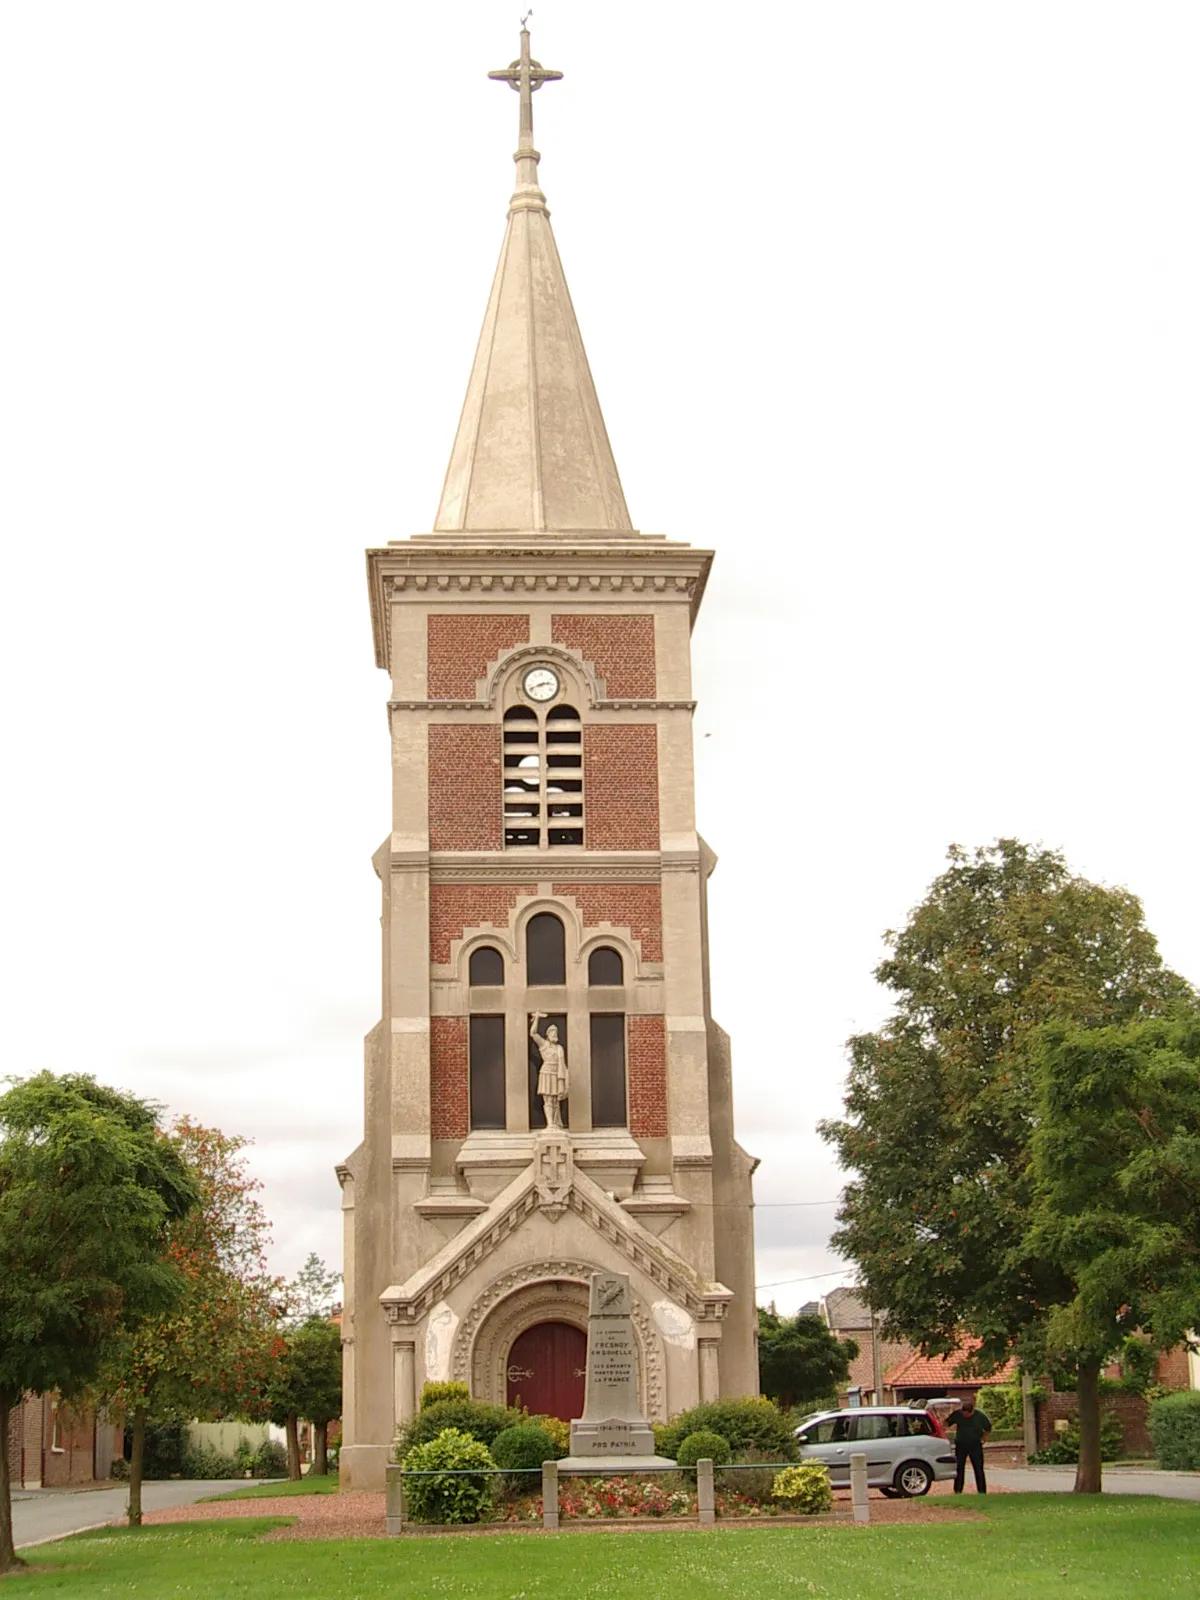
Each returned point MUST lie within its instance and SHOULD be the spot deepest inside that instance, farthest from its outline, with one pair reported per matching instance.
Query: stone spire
(531, 453)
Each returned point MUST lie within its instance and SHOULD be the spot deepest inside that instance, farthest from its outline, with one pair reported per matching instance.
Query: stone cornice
(543, 867)
(638, 570)
(486, 705)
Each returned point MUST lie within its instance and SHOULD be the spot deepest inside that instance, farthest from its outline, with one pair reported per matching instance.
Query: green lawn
(281, 1486)
(1030, 1546)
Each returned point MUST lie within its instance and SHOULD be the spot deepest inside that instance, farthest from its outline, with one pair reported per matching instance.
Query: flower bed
(642, 1497)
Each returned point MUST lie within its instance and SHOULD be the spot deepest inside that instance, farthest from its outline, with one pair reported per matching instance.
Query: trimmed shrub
(203, 1461)
(1174, 1424)
(269, 1461)
(746, 1423)
(559, 1431)
(434, 1393)
(699, 1445)
(804, 1489)
(453, 1494)
(1063, 1451)
(521, 1449)
(474, 1417)
(1002, 1403)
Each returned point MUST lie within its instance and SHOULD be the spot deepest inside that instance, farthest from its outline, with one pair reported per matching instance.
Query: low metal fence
(704, 1472)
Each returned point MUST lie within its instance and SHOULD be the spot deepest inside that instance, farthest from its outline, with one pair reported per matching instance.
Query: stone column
(710, 1371)
(404, 1362)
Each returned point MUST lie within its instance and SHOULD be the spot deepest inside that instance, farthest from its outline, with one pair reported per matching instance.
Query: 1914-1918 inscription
(612, 1424)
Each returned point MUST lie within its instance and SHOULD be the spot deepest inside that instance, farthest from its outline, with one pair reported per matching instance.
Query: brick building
(543, 859)
(52, 1445)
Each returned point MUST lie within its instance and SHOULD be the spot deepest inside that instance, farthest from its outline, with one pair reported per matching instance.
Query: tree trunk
(320, 1463)
(137, 1455)
(293, 1447)
(1087, 1388)
(9, 1559)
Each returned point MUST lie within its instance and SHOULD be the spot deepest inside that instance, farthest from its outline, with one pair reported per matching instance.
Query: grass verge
(281, 1486)
(1030, 1547)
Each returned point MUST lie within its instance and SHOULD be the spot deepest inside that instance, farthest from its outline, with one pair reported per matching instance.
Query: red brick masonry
(461, 647)
(448, 1090)
(464, 786)
(620, 786)
(456, 906)
(636, 906)
(648, 1077)
(620, 648)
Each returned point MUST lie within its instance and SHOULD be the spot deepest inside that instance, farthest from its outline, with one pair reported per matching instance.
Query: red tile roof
(919, 1371)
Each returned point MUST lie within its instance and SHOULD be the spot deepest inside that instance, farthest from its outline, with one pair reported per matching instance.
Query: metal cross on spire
(525, 75)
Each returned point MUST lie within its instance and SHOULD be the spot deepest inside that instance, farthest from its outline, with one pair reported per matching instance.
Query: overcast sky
(894, 306)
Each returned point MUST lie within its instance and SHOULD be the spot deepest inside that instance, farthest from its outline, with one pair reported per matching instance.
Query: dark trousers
(974, 1454)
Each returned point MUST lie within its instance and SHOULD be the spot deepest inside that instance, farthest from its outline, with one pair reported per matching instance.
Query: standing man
(971, 1428)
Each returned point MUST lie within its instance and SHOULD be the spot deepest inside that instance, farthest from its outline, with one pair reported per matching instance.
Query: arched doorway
(546, 1368)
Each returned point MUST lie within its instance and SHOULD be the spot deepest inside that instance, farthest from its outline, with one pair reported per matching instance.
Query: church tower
(547, 1094)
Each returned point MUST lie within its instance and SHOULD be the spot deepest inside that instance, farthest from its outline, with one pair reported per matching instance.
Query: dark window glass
(605, 967)
(867, 1428)
(487, 966)
(608, 1071)
(487, 1072)
(537, 1111)
(545, 950)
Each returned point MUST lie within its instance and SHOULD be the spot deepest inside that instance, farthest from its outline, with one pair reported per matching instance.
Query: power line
(782, 1283)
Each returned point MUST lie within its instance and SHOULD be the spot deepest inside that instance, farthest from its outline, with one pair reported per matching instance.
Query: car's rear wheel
(912, 1478)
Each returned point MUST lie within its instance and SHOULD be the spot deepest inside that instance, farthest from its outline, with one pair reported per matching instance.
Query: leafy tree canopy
(799, 1360)
(89, 1193)
(940, 1108)
(313, 1292)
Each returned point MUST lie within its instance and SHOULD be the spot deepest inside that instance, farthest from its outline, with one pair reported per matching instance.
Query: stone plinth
(612, 1433)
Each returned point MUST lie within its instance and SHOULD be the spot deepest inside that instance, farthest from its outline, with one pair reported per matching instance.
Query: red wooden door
(546, 1368)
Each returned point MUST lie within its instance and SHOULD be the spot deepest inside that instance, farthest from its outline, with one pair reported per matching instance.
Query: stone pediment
(529, 1192)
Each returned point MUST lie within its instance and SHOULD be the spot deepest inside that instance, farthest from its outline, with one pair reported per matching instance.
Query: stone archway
(554, 1291)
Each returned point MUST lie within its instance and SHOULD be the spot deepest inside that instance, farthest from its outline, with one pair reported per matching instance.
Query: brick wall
(621, 649)
(448, 1086)
(648, 1077)
(620, 786)
(636, 906)
(1129, 1408)
(454, 907)
(1172, 1368)
(74, 1459)
(464, 786)
(462, 646)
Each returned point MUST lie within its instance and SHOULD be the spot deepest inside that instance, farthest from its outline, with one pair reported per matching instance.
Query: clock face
(541, 683)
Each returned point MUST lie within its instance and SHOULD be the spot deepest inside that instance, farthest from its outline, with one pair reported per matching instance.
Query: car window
(918, 1425)
(878, 1427)
(832, 1431)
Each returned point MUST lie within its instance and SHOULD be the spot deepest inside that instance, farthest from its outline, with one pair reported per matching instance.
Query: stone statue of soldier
(552, 1078)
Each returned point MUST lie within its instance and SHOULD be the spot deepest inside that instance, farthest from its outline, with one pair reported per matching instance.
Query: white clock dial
(541, 683)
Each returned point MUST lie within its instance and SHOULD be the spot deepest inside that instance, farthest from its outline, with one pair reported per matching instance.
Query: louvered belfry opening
(543, 777)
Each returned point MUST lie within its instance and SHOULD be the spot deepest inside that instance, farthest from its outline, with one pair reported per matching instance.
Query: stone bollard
(397, 1505)
(705, 1501)
(858, 1487)
(550, 1496)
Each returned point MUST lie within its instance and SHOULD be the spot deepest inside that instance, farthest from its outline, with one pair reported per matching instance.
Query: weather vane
(525, 75)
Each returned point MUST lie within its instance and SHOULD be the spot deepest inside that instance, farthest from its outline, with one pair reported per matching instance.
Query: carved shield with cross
(554, 1173)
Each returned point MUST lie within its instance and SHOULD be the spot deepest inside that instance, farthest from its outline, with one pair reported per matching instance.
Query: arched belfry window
(486, 967)
(605, 967)
(543, 776)
(545, 950)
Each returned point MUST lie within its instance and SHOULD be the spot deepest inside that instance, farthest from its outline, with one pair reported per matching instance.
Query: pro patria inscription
(613, 1424)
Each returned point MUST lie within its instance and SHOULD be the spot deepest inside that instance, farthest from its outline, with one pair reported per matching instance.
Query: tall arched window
(486, 1042)
(486, 967)
(605, 967)
(545, 950)
(543, 777)
(608, 1070)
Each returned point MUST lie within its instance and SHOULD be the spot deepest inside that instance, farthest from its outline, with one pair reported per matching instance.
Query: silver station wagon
(906, 1447)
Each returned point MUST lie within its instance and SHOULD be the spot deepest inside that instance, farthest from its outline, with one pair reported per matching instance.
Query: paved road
(49, 1514)
(1116, 1480)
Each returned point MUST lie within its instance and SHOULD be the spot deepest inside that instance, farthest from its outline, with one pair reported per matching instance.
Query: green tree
(312, 1292)
(307, 1383)
(209, 1354)
(1116, 1197)
(940, 1104)
(89, 1191)
(799, 1360)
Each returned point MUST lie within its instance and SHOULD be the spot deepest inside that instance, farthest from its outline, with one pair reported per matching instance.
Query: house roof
(918, 1371)
(845, 1308)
